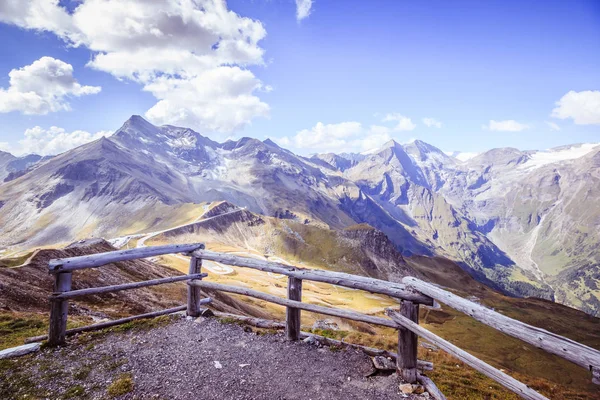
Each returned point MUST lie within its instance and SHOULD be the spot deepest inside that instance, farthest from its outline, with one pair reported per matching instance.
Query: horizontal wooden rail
(96, 260)
(505, 380)
(336, 312)
(568, 349)
(396, 290)
(108, 324)
(126, 286)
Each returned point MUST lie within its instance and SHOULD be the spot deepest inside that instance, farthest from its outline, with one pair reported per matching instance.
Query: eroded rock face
(524, 222)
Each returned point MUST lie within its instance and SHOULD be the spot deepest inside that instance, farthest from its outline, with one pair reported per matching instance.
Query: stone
(406, 388)
(418, 389)
(384, 363)
(311, 340)
(20, 350)
(326, 324)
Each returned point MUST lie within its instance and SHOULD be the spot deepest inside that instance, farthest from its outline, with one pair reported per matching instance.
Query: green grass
(74, 392)
(120, 386)
(14, 328)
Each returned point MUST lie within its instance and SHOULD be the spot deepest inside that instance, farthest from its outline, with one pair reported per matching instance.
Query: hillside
(24, 292)
(291, 241)
(358, 249)
(522, 222)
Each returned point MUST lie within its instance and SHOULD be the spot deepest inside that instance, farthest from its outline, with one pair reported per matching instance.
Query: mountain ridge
(513, 219)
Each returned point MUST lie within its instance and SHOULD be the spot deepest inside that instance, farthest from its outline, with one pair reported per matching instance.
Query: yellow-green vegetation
(145, 220)
(120, 386)
(14, 261)
(74, 392)
(14, 328)
(518, 275)
(82, 373)
(457, 380)
(16, 381)
(512, 355)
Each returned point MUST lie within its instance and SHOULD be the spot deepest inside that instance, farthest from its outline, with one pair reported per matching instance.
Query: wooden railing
(411, 293)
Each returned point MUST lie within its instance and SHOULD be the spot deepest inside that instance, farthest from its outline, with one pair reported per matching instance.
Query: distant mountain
(12, 166)
(525, 222)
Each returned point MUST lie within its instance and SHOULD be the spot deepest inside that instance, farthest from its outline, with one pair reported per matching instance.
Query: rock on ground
(209, 360)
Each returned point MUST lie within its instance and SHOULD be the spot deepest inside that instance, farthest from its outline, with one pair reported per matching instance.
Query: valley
(357, 249)
(523, 222)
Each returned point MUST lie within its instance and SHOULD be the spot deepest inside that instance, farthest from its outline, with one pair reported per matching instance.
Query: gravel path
(206, 359)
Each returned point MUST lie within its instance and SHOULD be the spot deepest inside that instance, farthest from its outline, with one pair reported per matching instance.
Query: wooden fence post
(292, 315)
(58, 310)
(406, 363)
(193, 292)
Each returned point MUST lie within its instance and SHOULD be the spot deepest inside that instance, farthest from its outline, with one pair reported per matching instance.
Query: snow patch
(462, 156)
(541, 158)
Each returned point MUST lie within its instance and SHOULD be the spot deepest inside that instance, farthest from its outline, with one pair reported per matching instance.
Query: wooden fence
(411, 293)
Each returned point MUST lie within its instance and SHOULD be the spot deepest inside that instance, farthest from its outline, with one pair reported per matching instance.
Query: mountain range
(524, 222)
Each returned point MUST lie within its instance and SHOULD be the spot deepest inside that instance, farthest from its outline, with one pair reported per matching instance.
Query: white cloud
(553, 126)
(174, 44)
(339, 138)
(303, 9)
(432, 123)
(505, 126)
(41, 15)
(582, 107)
(219, 99)
(42, 87)
(403, 123)
(51, 141)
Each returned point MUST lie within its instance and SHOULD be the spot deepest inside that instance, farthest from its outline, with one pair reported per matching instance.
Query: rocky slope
(524, 222)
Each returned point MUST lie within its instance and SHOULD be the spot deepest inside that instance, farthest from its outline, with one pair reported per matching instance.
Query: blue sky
(346, 77)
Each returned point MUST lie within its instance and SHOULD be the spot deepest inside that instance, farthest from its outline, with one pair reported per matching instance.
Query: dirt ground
(194, 359)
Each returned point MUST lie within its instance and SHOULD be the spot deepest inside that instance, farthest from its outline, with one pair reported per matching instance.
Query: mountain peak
(269, 142)
(389, 144)
(138, 121)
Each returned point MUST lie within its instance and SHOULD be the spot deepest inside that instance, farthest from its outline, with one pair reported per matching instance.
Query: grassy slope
(555, 377)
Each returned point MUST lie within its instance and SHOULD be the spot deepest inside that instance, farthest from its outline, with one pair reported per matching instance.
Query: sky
(315, 76)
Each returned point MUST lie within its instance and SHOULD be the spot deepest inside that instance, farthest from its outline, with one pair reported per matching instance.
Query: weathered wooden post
(406, 363)
(59, 309)
(292, 315)
(193, 292)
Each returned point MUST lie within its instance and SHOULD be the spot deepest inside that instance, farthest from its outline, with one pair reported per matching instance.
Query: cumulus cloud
(303, 8)
(582, 107)
(432, 123)
(42, 87)
(402, 123)
(339, 138)
(41, 15)
(219, 99)
(553, 126)
(505, 126)
(51, 141)
(164, 44)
